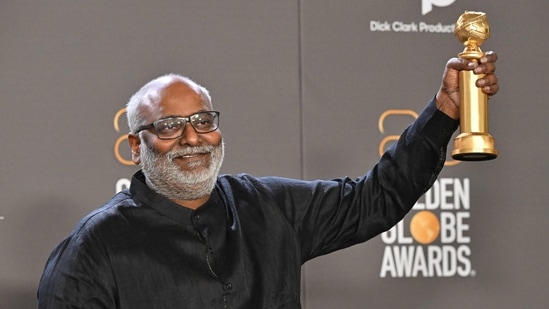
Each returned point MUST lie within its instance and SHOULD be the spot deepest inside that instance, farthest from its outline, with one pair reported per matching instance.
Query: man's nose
(189, 137)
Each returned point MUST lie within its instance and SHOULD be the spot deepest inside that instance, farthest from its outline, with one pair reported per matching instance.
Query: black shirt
(244, 248)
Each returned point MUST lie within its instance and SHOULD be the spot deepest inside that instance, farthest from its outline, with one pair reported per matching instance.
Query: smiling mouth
(193, 155)
(198, 155)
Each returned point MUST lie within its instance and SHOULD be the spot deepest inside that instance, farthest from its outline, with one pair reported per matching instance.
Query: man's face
(184, 168)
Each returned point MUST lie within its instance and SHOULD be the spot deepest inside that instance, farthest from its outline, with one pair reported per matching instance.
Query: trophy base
(473, 146)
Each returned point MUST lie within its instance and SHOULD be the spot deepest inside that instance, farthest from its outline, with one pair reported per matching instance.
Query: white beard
(168, 179)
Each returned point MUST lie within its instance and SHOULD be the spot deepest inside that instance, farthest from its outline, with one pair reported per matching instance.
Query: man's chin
(196, 172)
(195, 175)
(192, 165)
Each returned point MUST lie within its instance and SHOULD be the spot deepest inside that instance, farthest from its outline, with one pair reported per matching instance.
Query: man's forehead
(157, 90)
(176, 98)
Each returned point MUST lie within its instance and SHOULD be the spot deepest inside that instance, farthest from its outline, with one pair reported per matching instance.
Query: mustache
(185, 151)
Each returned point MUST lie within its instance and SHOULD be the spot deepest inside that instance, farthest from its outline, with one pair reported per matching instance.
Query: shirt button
(228, 286)
(196, 217)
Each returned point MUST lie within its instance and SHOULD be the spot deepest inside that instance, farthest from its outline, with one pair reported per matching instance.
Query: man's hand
(447, 98)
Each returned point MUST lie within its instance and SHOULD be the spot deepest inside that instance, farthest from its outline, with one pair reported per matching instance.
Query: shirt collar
(145, 196)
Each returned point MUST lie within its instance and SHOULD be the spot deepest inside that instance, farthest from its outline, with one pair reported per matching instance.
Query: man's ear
(135, 141)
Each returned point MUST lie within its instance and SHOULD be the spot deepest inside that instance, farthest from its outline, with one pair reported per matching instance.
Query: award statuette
(474, 143)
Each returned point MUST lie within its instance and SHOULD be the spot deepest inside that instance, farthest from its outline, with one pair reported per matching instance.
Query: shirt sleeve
(335, 214)
(76, 276)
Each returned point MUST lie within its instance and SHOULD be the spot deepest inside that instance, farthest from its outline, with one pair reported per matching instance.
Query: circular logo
(424, 227)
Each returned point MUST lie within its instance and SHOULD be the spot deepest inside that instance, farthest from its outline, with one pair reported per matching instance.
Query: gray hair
(152, 92)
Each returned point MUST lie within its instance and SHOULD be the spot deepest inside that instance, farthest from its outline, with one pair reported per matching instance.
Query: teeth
(190, 155)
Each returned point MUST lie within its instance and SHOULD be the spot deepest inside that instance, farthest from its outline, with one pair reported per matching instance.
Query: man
(184, 237)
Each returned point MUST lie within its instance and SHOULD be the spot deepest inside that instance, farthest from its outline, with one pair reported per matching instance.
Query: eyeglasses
(173, 127)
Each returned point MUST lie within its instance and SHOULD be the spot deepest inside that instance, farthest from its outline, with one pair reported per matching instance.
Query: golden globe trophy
(474, 143)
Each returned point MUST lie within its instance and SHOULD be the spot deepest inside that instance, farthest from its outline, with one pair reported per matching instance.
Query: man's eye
(203, 122)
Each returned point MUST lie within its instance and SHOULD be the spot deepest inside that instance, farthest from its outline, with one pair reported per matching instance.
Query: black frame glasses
(173, 127)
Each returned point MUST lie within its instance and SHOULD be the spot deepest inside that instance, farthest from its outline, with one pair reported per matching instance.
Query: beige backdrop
(302, 86)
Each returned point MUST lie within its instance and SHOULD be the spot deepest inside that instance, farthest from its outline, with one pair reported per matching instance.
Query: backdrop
(307, 89)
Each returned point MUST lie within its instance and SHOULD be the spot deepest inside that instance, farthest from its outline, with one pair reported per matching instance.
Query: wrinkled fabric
(244, 248)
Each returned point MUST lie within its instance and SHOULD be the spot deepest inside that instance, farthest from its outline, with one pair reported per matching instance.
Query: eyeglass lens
(203, 122)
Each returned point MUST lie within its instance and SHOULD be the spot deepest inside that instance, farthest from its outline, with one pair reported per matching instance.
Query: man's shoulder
(108, 216)
(246, 179)
(247, 182)
(266, 186)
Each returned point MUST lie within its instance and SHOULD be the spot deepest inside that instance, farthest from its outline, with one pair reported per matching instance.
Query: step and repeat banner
(306, 89)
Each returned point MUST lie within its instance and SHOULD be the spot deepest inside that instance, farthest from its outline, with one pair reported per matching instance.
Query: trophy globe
(472, 29)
